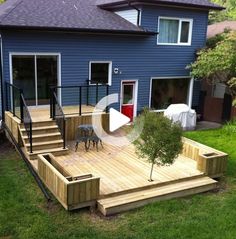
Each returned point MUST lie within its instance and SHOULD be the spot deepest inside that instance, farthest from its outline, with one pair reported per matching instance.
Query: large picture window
(165, 92)
(100, 72)
(174, 31)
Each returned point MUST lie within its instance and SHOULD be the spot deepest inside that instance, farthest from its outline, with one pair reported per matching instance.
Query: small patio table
(86, 134)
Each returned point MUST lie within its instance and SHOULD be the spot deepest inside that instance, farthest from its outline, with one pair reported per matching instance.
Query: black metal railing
(16, 104)
(26, 120)
(74, 98)
(13, 99)
(57, 114)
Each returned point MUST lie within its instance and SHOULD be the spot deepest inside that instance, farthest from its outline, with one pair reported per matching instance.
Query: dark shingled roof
(106, 4)
(77, 15)
(80, 15)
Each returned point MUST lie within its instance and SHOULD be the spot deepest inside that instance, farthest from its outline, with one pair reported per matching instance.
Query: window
(219, 90)
(174, 31)
(34, 74)
(100, 73)
(165, 92)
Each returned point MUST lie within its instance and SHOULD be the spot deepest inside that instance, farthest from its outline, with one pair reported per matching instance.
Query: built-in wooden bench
(72, 192)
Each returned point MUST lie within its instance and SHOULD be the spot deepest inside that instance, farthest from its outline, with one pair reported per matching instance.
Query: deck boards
(42, 113)
(120, 169)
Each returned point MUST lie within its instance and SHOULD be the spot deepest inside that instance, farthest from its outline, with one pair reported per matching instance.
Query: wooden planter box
(212, 164)
(71, 192)
(209, 161)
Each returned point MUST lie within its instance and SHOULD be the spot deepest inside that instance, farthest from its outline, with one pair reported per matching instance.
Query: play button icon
(117, 120)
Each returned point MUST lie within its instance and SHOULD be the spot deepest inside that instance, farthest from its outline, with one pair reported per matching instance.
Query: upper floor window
(175, 31)
(100, 72)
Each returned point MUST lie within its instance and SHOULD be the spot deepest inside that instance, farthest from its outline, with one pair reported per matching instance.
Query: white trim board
(130, 15)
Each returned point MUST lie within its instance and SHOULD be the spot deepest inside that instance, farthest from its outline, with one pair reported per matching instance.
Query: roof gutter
(122, 3)
(80, 30)
(137, 9)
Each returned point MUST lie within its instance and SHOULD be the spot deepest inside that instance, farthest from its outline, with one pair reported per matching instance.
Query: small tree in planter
(160, 141)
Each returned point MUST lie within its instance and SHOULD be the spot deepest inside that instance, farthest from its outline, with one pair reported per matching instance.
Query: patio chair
(82, 136)
(94, 139)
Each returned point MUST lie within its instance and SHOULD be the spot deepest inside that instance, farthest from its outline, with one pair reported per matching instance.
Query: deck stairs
(46, 139)
(125, 201)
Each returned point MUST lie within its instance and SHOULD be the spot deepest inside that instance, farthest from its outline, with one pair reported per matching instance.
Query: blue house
(140, 49)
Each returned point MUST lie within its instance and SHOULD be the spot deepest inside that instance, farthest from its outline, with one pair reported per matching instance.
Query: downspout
(1, 78)
(138, 10)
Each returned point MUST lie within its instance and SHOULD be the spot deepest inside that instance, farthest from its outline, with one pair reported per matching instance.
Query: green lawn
(25, 214)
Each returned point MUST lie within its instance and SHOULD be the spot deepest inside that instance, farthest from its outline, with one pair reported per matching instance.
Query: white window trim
(190, 90)
(109, 74)
(35, 54)
(189, 43)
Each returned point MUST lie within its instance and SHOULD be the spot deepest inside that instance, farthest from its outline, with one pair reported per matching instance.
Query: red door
(128, 99)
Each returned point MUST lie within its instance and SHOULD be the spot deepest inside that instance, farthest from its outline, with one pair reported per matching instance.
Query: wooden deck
(124, 176)
(120, 169)
(121, 176)
(42, 113)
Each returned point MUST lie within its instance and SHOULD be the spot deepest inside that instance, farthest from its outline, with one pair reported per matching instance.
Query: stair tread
(41, 122)
(47, 151)
(45, 143)
(41, 128)
(155, 192)
(43, 135)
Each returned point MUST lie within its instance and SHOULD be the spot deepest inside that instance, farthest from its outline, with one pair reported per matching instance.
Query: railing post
(7, 100)
(30, 138)
(51, 95)
(64, 133)
(107, 93)
(21, 107)
(80, 100)
(13, 101)
(87, 95)
(53, 107)
(96, 93)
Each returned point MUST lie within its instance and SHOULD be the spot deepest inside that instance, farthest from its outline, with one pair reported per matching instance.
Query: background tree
(218, 64)
(228, 14)
(160, 141)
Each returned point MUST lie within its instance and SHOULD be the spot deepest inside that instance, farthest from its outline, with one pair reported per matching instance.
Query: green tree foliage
(218, 64)
(160, 141)
(228, 14)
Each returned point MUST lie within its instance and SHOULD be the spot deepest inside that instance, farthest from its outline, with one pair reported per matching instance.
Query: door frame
(135, 95)
(35, 54)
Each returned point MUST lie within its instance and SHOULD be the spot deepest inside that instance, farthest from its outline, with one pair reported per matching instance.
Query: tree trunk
(150, 179)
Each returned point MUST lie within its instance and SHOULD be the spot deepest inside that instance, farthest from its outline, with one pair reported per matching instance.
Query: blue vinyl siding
(137, 57)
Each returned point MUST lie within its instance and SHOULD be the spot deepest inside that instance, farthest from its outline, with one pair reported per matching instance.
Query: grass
(25, 214)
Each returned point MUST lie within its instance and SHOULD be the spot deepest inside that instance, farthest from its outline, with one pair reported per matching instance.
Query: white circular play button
(117, 120)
